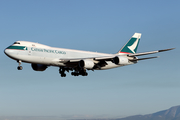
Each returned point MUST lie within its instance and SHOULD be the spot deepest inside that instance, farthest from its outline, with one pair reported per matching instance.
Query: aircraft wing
(107, 58)
(110, 58)
(146, 53)
(98, 61)
(101, 61)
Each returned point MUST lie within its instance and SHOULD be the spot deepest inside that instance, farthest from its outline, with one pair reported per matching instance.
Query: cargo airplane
(42, 56)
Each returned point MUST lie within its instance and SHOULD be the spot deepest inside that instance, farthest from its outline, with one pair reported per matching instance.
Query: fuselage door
(29, 51)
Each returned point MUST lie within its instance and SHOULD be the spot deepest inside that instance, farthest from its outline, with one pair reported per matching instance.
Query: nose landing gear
(19, 67)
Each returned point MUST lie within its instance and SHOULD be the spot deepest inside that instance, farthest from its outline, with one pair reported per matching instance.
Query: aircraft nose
(10, 53)
(6, 52)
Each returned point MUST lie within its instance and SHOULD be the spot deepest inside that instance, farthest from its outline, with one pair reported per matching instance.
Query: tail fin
(131, 46)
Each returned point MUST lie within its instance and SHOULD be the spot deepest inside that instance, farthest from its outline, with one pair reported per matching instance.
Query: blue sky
(102, 26)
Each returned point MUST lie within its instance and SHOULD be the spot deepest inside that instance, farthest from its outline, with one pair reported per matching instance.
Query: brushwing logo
(25, 48)
(133, 46)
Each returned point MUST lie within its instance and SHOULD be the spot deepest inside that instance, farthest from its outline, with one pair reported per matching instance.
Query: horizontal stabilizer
(166, 50)
(143, 58)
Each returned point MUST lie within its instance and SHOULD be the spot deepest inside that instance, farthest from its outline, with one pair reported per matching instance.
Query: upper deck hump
(33, 44)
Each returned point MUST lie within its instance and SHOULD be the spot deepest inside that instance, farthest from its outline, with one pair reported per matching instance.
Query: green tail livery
(131, 46)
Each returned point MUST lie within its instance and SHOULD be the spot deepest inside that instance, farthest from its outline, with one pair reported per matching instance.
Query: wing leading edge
(152, 52)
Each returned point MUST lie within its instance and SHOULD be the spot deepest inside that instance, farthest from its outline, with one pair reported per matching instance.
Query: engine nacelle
(120, 60)
(89, 64)
(38, 67)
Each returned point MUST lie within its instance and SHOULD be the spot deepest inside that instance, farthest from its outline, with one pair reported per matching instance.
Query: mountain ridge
(172, 113)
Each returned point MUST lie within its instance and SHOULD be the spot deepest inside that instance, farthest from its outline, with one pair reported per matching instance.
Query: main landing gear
(76, 72)
(19, 67)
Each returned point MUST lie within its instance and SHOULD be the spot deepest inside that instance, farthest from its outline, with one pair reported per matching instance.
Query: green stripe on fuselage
(18, 47)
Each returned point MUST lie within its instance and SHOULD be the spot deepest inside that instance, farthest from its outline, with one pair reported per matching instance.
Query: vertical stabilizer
(131, 46)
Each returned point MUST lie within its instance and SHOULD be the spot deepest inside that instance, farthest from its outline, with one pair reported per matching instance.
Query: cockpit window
(16, 43)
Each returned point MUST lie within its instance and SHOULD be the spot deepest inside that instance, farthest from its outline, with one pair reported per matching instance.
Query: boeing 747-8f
(41, 56)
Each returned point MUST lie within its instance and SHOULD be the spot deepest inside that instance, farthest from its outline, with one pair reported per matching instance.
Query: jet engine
(120, 60)
(89, 64)
(38, 67)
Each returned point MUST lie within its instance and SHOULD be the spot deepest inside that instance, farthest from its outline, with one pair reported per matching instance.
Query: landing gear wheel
(19, 67)
(63, 75)
(62, 72)
(75, 74)
(84, 74)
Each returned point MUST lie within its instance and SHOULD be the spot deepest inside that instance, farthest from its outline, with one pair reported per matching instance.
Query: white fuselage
(41, 54)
